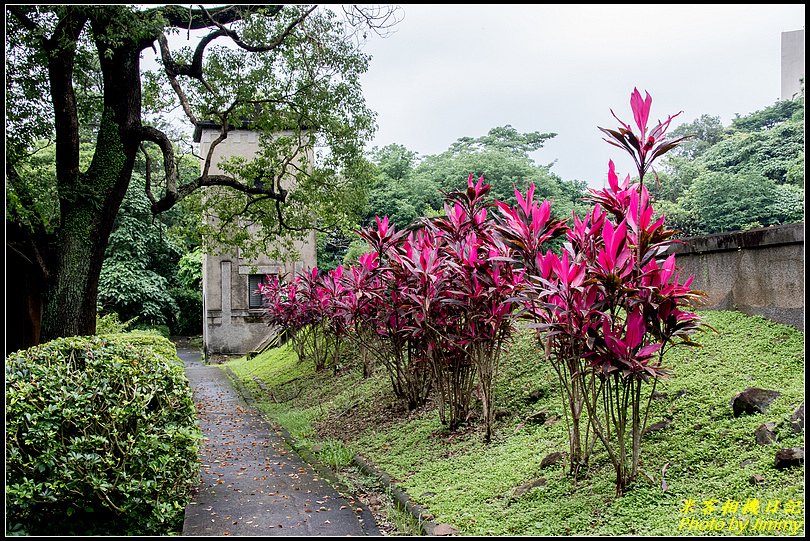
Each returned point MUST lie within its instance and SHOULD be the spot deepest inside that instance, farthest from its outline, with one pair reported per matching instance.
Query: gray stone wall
(758, 272)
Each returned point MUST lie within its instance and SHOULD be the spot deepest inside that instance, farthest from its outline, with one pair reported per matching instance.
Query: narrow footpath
(252, 483)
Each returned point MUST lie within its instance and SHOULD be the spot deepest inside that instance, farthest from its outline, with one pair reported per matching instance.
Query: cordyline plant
(300, 310)
(611, 304)
(285, 310)
(359, 311)
(525, 229)
(473, 301)
(434, 305)
(389, 321)
(425, 301)
(332, 297)
(444, 295)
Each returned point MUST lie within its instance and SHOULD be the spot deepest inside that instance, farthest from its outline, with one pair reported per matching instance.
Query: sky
(450, 71)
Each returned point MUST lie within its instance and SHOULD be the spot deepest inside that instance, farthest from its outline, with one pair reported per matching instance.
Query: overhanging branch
(195, 19)
(148, 133)
(148, 174)
(171, 72)
(261, 48)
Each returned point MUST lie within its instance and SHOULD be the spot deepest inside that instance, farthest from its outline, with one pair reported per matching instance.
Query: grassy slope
(710, 454)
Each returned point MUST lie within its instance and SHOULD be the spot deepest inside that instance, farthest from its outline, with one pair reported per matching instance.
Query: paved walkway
(251, 482)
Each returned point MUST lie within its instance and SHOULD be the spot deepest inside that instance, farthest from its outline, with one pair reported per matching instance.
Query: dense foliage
(749, 174)
(101, 437)
(140, 264)
(152, 270)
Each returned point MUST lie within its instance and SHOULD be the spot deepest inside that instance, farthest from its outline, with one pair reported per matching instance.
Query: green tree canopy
(731, 201)
(703, 133)
(747, 175)
(406, 187)
(502, 158)
(770, 116)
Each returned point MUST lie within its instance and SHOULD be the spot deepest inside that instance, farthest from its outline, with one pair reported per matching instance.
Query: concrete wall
(792, 63)
(758, 272)
(230, 326)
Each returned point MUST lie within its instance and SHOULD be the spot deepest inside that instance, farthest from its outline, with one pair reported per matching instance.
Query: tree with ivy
(74, 77)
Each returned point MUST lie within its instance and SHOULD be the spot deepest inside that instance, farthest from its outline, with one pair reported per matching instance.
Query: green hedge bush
(111, 323)
(101, 437)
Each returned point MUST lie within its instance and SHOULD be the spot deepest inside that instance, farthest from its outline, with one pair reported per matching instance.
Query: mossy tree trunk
(89, 201)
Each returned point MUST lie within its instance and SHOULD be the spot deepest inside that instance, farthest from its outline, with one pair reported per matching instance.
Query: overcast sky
(450, 71)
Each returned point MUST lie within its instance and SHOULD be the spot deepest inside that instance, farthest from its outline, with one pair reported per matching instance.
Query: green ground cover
(704, 454)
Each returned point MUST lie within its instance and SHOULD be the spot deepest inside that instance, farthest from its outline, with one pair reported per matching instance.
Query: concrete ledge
(259, 269)
(778, 235)
(401, 498)
(758, 272)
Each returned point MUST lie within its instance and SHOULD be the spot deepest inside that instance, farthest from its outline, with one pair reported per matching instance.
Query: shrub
(101, 437)
(152, 339)
(111, 324)
(157, 330)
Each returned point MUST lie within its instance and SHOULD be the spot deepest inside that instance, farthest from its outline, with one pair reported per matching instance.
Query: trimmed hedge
(101, 437)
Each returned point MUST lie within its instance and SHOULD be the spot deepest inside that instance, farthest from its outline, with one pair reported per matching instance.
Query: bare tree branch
(230, 182)
(223, 134)
(47, 144)
(193, 70)
(262, 48)
(380, 19)
(252, 201)
(282, 225)
(11, 247)
(194, 19)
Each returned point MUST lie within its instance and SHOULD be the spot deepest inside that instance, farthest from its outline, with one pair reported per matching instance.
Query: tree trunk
(70, 302)
(89, 201)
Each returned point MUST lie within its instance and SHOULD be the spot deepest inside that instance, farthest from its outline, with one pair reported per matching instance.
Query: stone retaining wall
(758, 272)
